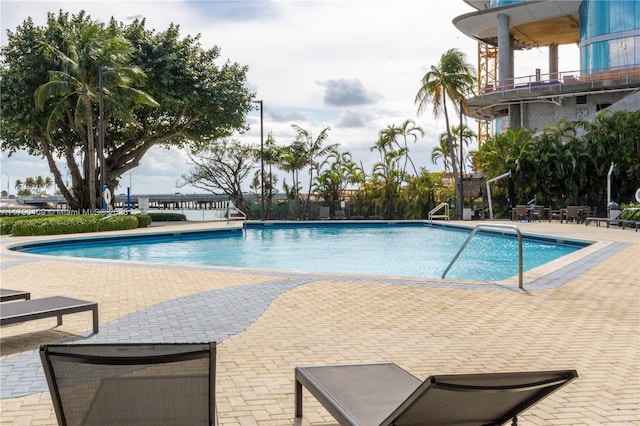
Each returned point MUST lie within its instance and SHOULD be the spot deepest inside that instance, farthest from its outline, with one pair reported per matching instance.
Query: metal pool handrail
(440, 216)
(489, 226)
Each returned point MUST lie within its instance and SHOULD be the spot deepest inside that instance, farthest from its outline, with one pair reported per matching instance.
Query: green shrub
(73, 224)
(6, 222)
(144, 220)
(167, 217)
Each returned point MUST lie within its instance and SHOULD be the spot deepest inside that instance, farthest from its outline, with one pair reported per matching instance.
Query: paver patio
(580, 313)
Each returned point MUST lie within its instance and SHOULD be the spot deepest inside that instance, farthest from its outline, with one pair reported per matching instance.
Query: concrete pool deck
(581, 312)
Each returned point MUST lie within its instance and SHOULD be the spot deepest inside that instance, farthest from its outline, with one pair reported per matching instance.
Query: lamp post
(101, 138)
(461, 210)
(261, 160)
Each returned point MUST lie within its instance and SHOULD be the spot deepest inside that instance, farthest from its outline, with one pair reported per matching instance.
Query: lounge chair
(7, 295)
(56, 306)
(325, 213)
(385, 394)
(132, 384)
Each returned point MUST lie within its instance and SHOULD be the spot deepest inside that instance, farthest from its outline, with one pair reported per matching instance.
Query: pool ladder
(445, 216)
(489, 226)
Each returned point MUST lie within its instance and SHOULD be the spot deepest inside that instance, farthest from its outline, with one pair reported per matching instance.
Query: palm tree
(449, 81)
(313, 150)
(75, 87)
(19, 185)
(389, 136)
(441, 152)
(292, 159)
(270, 156)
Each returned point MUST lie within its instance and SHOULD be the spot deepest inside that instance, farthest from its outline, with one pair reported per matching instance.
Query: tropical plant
(447, 82)
(334, 175)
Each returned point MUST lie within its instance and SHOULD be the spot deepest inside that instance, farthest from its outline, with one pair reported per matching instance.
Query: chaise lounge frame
(47, 307)
(385, 394)
(7, 295)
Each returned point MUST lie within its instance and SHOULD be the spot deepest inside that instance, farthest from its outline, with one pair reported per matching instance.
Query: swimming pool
(391, 249)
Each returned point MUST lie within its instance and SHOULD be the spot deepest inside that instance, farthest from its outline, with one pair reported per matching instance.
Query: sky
(351, 65)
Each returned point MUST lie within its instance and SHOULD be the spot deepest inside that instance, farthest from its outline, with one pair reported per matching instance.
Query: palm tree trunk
(454, 165)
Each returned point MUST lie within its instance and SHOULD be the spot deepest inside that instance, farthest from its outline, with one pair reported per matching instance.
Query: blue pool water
(404, 250)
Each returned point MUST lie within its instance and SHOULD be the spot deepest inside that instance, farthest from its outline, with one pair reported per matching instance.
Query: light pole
(461, 161)
(261, 160)
(101, 138)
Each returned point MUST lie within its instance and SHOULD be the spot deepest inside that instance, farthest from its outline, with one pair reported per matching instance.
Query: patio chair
(573, 214)
(521, 212)
(385, 394)
(132, 384)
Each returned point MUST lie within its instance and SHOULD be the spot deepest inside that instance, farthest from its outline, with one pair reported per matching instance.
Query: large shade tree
(197, 101)
(444, 85)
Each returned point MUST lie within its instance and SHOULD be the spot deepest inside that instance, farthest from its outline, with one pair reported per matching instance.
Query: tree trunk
(454, 164)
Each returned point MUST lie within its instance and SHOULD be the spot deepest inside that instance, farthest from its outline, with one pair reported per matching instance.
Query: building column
(505, 53)
(553, 61)
(506, 67)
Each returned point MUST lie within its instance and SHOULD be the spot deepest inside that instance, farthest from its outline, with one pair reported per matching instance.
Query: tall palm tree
(447, 82)
(389, 138)
(314, 148)
(292, 159)
(75, 87)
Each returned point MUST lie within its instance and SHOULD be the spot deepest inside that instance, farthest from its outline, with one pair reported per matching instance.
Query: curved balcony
(494, 98)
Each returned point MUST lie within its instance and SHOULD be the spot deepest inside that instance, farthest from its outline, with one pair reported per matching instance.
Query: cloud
(348, 92)
(234, 11)
(355, 119)
(279, 116)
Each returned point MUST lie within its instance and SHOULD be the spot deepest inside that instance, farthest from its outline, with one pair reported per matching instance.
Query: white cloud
(368, 55)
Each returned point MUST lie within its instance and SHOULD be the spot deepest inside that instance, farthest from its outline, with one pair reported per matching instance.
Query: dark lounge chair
(132, 384)
(55, 306)
(385, 394)
(7, 295)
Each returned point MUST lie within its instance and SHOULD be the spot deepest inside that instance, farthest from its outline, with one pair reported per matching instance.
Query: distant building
(606, 32)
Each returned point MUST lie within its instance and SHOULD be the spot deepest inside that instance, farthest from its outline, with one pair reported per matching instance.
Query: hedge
(53, 225)
(167, 217)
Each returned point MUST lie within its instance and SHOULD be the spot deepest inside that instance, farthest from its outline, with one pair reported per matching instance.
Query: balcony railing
(574, 79)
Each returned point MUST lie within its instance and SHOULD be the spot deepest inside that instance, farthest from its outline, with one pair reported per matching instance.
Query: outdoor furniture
(556, 214)
(521, 212)
(324, 213)
(572, 214)
(385, 394)
(535, 213)
(7, 295)
(56, 306)
(630, 222)
(132, 384)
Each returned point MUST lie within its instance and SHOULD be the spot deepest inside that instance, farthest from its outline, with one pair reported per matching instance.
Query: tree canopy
(159, 90)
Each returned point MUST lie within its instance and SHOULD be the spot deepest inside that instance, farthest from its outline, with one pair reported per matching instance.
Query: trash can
(613, 210)
(466, 214)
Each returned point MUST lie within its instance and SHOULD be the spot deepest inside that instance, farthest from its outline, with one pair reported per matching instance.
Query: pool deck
(580, 312)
